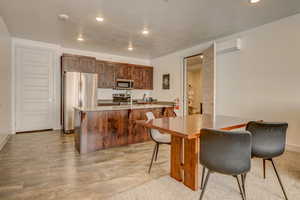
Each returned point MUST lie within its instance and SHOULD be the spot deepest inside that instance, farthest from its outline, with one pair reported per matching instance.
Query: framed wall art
(166, 81)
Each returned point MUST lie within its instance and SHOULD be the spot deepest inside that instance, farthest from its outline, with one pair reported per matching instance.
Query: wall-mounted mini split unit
(229, 46)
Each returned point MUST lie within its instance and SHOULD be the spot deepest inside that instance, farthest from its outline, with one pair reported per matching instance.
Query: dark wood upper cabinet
(70, 63)
(123, 71)
(106, 74)
(148, 78)
(74, 63)
(87, 64)
(143, 77)
(138, 77)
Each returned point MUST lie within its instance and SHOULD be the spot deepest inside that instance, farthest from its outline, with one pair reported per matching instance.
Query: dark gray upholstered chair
(158, 138)
(225, 152)
(268, 141)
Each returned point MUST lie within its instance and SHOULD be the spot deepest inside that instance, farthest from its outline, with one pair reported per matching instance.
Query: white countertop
(120, 107)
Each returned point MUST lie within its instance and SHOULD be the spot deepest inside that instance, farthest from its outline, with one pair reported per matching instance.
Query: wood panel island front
(102, 127)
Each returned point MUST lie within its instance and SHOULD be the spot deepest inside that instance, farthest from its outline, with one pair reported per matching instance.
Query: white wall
(5, 83)
(5, 79)
(173, 64)
(262, 81)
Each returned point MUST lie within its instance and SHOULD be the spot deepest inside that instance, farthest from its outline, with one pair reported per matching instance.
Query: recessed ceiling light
(130, 48)
(201, 56)
(254, 1)
(80, 38)
(63, 17)
(99, 19)
(145, 32)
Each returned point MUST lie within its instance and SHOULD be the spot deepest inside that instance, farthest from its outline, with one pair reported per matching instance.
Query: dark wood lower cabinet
(104, 129)
(137, 133)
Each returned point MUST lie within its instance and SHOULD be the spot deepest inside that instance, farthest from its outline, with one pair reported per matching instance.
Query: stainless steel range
(122, 97)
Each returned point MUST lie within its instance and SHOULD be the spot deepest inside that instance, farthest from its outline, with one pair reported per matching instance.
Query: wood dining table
(185, 132)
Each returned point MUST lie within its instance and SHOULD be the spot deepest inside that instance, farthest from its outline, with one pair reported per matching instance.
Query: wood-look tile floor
(45, 165)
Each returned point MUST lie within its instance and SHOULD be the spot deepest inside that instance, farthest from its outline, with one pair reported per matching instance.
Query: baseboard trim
(293, 147)
(4, 141)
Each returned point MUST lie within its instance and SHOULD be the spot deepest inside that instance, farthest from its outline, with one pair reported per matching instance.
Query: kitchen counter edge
(121, 107)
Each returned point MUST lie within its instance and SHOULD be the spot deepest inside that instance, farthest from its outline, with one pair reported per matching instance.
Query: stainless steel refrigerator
(79, 89)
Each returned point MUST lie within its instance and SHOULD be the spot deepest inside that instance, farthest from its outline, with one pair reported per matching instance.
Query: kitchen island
(102, 127)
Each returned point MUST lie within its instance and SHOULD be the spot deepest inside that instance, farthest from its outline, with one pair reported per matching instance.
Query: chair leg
(244, 184)
(153, 154)
(205, 184)
(157, 151)
(202, 178)
(245, 176)
(240, 188)
(278, 177)
(264, 167)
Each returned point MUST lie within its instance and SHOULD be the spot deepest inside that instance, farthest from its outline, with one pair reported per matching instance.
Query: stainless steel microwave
(124, 84)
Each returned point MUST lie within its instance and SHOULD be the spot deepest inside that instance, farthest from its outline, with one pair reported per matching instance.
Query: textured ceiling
(173, 24)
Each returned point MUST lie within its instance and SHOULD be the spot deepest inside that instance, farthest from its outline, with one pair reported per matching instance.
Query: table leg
(191, 163)
(176, 157)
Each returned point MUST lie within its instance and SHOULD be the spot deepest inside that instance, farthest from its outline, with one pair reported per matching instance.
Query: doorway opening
(199, 92)
(193, 84)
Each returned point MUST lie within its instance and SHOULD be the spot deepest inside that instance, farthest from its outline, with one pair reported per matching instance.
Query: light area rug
(220, 187)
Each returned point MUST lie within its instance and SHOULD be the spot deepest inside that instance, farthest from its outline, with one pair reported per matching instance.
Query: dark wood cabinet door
(106, 129)
(100, 70)
(106, 74)
(117, 128)
(110, 75)
(143, 77)
(74, 63)
(137, 132)
(70, 63)
(148, 78)
(123, 71)
(87, 64)
(137, 77)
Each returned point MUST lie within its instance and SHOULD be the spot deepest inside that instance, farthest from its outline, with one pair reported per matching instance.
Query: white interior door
(34, 88)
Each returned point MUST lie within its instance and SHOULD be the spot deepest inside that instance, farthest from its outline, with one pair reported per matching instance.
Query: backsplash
(105, 94)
